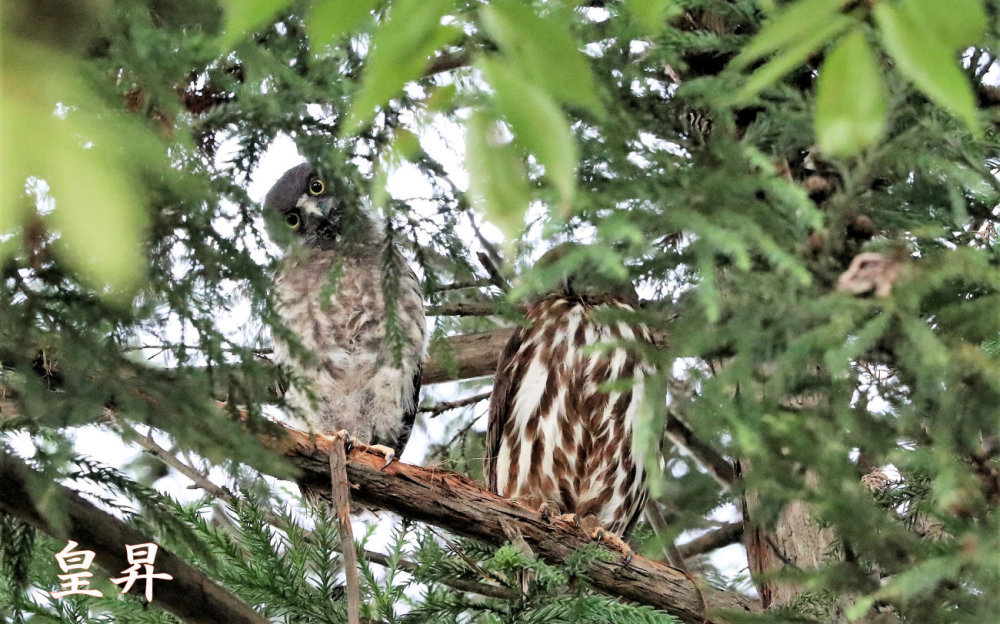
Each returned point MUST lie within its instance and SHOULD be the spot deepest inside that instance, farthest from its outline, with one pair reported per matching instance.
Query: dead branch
(340, 492)
(191, 595)
(453, 502)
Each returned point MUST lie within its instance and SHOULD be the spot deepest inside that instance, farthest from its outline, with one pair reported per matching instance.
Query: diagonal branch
(719, 467)
(202, 481)
(719, 537)
(191, 595)
(454, 502)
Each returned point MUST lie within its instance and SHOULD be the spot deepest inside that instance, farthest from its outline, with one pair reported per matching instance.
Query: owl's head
(585, 270)
(301, 209)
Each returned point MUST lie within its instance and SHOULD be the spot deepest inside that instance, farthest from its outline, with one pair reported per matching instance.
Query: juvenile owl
(331, 295)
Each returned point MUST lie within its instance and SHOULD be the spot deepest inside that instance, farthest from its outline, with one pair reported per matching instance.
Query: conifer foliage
(805, 193)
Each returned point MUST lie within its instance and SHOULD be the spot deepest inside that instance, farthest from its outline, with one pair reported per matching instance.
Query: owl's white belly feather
(348, 376)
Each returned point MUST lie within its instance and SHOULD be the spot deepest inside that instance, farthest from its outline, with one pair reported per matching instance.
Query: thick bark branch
(191, 595)
(452, 501)
(471, 355)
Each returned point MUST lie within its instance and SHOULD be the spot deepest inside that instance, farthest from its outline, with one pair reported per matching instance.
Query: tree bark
(454, 502)
(470, 355)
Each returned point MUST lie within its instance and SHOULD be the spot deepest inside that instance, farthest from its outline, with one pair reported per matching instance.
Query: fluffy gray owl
(330, 294)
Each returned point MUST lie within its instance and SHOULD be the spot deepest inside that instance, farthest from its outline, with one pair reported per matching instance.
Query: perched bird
(558, 440)
(332, 292)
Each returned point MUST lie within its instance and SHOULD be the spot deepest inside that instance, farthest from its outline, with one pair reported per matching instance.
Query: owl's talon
(571, 518)
(614, 542)
(349, 441)
(388, 453)
(548, 511)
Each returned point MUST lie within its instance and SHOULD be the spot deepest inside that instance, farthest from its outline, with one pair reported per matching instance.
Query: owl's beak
(311, 206)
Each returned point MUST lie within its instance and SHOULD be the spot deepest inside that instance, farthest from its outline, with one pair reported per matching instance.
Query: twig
(484, 308)
(167, 347)
(440, 408)
(340, 492)
(171, 460)
(487, 245)
(442, 451)
(493, 271)
(447, 62)
(479, 283)
(455, 548)
(492, 591)
(659, 524)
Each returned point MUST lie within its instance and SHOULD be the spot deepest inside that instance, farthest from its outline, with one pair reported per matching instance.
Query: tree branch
(718, 466)
(444, 406)
(471, 308)
(719, 537)
(191, 595)
(222, 493)
(453, 502)
(340, 492)
(471, 355)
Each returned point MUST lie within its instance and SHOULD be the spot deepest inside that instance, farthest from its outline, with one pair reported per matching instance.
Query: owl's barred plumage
(330, 295)
(555, 438)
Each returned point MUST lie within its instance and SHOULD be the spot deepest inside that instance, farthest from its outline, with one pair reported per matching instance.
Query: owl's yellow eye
(316, 187)
(293, 220)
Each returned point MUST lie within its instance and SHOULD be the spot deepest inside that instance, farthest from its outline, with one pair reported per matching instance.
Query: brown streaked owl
(557, 440)
(331, 296)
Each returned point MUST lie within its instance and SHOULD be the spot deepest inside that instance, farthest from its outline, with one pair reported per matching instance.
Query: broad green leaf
(545, 50)
(652, 15)
(13, 172)
(86, 160)
(955, 23)
(328, 19)
(243, 16)
(929, 63)
(539, 126)
(851, 100)
(497, 180)
(801, 21)
(100, 219)
(401, 50)
(792, 56)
